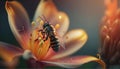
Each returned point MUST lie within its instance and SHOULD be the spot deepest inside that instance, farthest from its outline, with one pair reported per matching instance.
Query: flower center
(38, 46)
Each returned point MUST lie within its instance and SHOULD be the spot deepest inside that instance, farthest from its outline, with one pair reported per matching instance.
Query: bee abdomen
(54, 43)
(55, 47)
(53, 38)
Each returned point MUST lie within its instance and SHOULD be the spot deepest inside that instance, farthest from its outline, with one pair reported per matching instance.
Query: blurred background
(84, 14)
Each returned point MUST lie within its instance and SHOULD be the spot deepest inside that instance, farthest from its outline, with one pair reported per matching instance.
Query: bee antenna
(41, 18)
(45, 19)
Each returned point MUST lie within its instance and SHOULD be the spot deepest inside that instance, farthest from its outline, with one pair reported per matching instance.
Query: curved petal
(10, 65)
(19, 22)
(58, 19)
(33, 64)
(73, 40)
(61, 23)
(73, 62)
(45, 8)
(9, 52)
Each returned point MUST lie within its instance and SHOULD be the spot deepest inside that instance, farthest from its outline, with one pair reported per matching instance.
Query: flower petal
(73, 62)
(111, 6)
(19, 22)
(61, 23)
(10, 65)
(33, 64)
(58, 19)
(45, 8)
(9, 52)
(74, 40)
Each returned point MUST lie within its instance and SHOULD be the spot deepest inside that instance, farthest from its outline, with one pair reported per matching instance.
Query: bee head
(46, 25)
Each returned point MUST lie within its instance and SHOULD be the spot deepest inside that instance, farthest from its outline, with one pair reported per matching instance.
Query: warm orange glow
(38, 46)
(57, 26)
(60, 17)
(44, 50)
(7, 57)
(111, 6)
(109, 32)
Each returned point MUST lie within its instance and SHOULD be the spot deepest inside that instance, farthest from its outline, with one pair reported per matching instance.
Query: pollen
(38, 46)
(41, 22)
(107, 37)
(105, 27)
(60, 17)
(57, 26)
(117, 20)
(33, 24)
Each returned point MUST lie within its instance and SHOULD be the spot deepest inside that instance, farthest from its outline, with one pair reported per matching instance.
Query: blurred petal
(110, 39)
(18, 21)
(73, 62)
(33, 64)
(61, 23)
(111, 6)
(9, 52)
(10, 65)
(74, 40)
(46, 8)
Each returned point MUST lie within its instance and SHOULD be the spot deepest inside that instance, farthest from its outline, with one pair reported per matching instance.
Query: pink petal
(58, 19)
(18, 21)
(46, 8)
(9, 52)
(73, 62)
(61, 23)
(74, 40)
(33, 64)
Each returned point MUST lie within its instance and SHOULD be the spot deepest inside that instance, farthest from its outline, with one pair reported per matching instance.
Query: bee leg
(47, 35)
(44, 35)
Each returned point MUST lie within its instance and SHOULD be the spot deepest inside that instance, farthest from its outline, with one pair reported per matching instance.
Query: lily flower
(33, 48)
(109, 32)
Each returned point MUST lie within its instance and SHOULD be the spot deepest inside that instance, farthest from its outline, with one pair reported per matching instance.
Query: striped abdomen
(54, 43)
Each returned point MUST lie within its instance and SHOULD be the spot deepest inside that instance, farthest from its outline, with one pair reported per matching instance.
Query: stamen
(41, 22)
(41, 42)
(44, 49)
(38, 20)
(38, 23)
(38, 47)
(33, 24)
(57, 26)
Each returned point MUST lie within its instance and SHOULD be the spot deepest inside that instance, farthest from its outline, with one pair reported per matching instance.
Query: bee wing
(60, 39)
(38, 23)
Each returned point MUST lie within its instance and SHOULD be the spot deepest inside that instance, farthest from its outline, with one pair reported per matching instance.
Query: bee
(48, 31)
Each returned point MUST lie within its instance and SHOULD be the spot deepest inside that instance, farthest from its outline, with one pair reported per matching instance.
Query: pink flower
(109, 32)
(38, 49)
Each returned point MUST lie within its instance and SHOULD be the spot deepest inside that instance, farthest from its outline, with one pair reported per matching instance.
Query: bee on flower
(36, 39)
